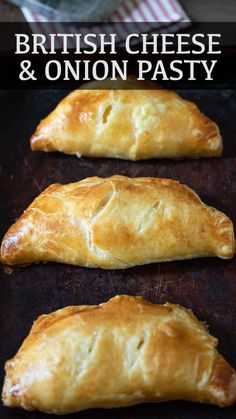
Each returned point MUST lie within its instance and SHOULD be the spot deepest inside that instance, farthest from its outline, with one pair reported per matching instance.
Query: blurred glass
(72, 10)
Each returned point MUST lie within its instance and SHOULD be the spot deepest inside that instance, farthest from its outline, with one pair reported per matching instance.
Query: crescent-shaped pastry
(119, 353)
(127, 124)
(117, 222)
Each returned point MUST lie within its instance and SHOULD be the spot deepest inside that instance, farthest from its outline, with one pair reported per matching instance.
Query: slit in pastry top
(117, 222)
(127, 124)
(120, 353)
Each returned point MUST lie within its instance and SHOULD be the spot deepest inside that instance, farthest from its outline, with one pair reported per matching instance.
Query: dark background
(207, 286)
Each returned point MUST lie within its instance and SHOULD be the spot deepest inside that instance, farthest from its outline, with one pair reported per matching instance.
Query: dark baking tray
(207, 286)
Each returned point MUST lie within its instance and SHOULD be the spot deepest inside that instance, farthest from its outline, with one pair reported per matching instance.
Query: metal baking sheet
(207, 286)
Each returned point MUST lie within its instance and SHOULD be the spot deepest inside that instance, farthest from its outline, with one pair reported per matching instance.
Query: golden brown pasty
(127, 124)
(117, 222)
(119, 353)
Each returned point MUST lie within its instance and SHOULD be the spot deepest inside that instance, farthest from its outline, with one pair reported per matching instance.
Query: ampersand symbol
(26, 74)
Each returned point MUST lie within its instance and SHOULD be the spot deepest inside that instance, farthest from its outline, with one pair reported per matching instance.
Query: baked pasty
(127, 124)
(119, 353)
(117, 222)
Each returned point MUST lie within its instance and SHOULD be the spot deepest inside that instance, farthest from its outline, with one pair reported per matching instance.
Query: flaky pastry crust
(120, 353)
(128, 124)
(117, 222)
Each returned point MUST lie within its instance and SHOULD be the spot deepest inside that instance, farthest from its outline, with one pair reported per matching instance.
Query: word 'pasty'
(119, 353)
(128, 124)
(117, 222)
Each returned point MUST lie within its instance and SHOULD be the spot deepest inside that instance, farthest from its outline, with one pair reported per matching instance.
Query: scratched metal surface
(207, 286)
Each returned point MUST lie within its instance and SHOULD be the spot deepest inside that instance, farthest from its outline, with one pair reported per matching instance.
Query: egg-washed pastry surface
(117, 222)
(119, 353)
(128, 124)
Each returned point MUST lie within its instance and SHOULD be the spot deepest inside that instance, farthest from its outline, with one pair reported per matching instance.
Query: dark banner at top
(197, 56)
